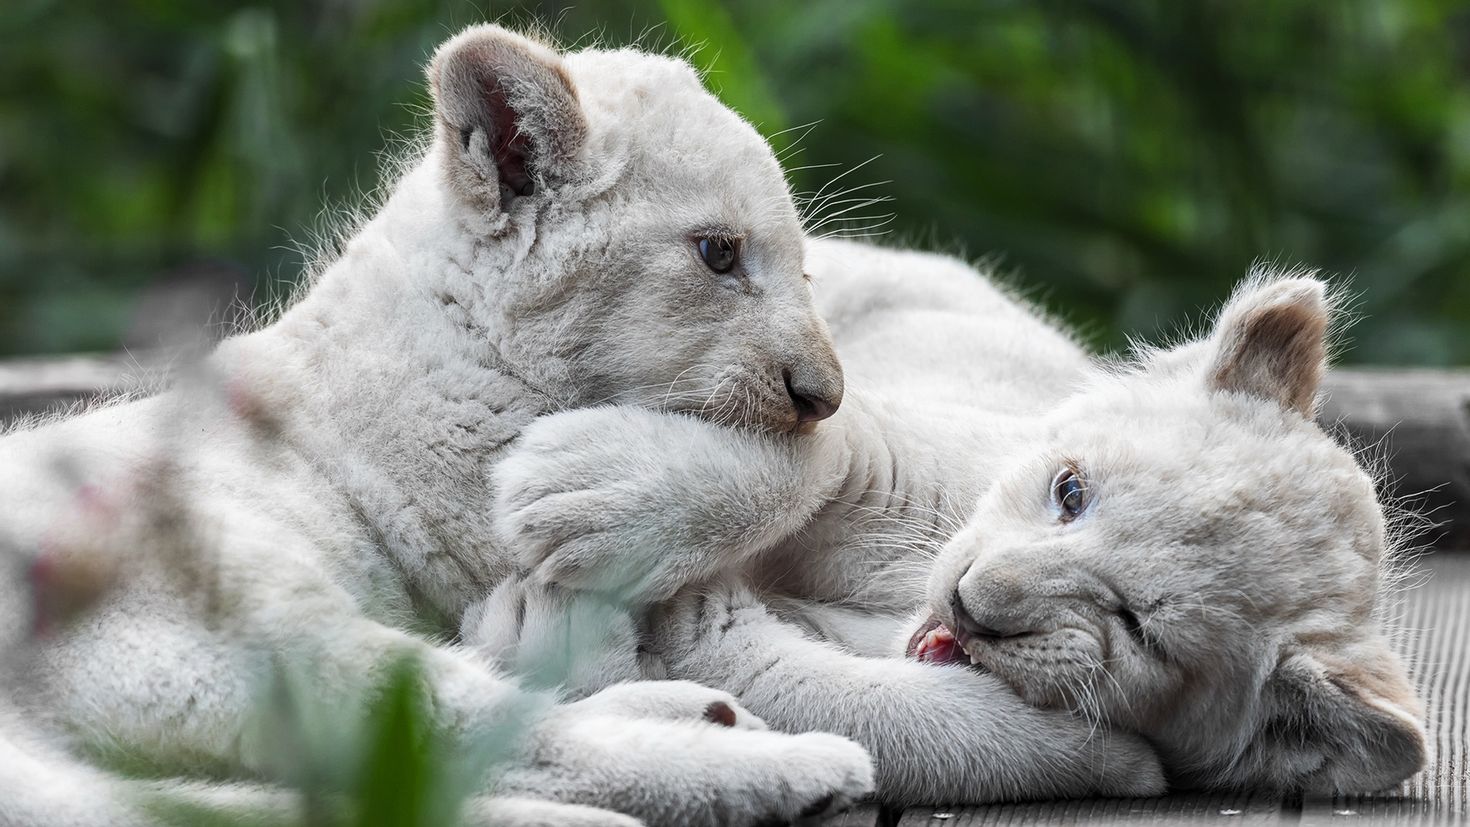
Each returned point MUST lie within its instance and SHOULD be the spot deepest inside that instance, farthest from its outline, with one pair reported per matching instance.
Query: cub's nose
(813, 404)
(982, 623)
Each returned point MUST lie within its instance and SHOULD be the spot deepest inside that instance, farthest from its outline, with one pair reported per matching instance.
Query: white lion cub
(584, 227)
(1172, 548)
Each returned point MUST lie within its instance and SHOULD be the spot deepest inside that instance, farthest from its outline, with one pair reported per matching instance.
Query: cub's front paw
(670, 701)
(689, 769)
(823, 775)
(549, 637)
(578, 500)
(697, 620)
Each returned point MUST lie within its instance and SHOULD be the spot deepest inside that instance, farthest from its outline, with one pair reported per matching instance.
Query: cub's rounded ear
(1346, 722)
(1271, 342)
(508, 116)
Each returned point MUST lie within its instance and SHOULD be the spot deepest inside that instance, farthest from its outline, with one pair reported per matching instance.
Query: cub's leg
(673, 752)
(936, 733)
(40, 786)
(635, 503)
(148, 676)
(574, 642)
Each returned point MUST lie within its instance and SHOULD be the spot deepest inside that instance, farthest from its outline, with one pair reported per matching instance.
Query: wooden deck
(1422, 420)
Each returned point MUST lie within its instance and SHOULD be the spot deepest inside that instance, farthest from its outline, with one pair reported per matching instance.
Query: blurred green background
(1128, 160)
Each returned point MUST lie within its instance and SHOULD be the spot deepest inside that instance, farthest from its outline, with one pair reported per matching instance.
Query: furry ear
(1347, 723)
(1271, 342)
(508, 115)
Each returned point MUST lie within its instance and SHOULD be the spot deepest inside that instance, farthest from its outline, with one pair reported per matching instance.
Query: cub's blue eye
(719, 254)
(1069, 492)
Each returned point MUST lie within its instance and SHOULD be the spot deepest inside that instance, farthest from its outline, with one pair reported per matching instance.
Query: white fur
(1244, 538)
(315, 494)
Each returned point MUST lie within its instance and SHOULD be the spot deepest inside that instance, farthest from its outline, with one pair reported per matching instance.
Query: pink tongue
(939, 646)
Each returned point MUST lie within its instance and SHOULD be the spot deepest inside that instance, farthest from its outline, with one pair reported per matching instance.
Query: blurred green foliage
(373, 761)
(1128, 158)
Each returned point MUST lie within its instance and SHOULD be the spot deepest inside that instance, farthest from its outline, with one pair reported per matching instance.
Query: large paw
(675, 772)
(577, 642)
(670, 701)
(578, 500)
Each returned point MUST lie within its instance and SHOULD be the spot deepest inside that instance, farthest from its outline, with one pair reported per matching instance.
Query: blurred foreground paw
(549, 637)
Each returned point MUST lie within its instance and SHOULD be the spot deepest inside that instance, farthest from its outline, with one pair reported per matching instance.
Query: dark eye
(1069, 493)
(719, 253)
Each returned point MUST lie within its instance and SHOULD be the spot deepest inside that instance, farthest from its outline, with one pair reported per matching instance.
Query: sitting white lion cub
(584, 227)
(1171, 547)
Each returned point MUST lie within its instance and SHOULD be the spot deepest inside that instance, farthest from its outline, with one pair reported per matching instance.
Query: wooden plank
(51, 383)
(867, 815)
(1233, 808)
(1436, 641)
(1421, 418)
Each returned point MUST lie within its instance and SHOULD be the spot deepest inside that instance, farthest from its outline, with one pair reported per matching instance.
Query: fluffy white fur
(1216, 593)
(317, 490)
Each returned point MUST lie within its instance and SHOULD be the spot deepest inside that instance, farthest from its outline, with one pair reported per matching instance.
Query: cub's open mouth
(935, 643)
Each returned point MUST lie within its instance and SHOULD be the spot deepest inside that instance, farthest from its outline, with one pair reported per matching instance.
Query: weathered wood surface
(1236, 808)
(51, 383)
(1421, 420)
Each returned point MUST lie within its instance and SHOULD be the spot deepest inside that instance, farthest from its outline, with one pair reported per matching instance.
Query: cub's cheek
(1039, 690)
(1060, 670)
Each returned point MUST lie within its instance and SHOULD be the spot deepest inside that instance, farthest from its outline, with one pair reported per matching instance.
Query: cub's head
(621, 235)
(1192, 558)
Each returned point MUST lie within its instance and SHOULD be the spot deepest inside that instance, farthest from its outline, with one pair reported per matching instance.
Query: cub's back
(935, 328)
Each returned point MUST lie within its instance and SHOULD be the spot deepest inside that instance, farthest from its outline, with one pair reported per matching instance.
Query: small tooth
(974, 660)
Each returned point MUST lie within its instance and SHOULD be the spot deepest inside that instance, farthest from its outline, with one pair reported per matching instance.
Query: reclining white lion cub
(1171, 547)
(583, 228)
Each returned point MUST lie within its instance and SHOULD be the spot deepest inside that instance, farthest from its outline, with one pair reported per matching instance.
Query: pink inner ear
(509, 144)
(1276, 352)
